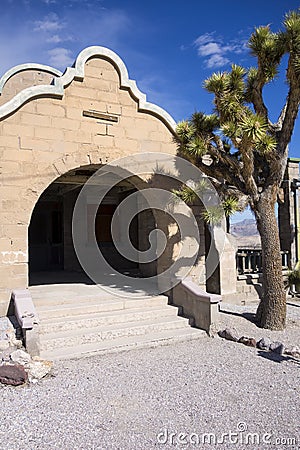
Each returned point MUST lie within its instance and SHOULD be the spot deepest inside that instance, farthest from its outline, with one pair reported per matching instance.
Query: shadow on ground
(245, 315)
(271, 356)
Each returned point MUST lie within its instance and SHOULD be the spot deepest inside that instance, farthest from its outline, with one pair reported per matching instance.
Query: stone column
(288, 212)
(223, 279)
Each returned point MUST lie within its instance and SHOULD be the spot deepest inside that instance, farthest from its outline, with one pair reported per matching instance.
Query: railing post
(249, 261)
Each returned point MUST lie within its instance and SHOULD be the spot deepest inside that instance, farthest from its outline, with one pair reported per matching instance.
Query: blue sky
(169, 47)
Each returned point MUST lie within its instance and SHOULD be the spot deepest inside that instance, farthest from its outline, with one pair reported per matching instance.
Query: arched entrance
(52, 257)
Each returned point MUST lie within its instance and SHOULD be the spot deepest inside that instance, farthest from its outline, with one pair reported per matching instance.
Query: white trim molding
(23, 67)
(77, 72)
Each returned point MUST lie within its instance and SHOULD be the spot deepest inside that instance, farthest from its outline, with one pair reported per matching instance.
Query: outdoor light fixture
(295, 183)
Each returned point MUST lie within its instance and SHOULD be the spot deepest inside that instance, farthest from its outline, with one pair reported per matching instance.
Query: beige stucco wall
(47, 137)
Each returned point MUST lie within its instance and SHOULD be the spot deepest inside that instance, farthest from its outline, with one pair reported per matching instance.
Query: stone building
(289, 212)
(57, 130)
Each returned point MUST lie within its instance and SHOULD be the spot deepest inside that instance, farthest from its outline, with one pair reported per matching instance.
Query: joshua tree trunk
(271, 312)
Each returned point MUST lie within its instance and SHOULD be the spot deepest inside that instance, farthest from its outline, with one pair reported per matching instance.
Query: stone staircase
(80, 320)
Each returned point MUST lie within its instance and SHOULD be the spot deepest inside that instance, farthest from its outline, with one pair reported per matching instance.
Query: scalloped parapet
(77, 72)
(28, 66)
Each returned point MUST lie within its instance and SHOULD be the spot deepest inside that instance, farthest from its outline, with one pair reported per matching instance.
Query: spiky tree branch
(245, 149)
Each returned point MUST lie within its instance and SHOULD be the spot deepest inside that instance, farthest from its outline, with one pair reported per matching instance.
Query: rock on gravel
(293, 351)
(20, 357)
(38, 369)
(277, 347)
(13, 374)
(35, 368)
(229, 333)
(249, 342)
(264, 344)
(10, 336)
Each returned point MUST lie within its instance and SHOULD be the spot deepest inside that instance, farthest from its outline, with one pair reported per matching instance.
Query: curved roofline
(28, 66)
(77, 72)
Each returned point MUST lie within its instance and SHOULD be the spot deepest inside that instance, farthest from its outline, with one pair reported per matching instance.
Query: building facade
(57, 130)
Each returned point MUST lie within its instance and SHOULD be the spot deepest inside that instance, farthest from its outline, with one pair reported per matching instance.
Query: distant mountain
(246, 234)
(246, 227)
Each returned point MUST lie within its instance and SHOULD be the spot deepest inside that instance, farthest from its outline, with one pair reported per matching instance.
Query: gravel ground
(137, 399)
(242, 318)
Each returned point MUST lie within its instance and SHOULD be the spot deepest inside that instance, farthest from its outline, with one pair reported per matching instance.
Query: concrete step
(80, 321)
(158, 338)
(96, 306)
(73, 338)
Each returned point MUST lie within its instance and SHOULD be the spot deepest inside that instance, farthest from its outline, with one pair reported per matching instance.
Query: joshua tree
(248, 152)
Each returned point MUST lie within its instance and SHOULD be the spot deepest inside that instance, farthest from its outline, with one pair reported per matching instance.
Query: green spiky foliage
(213, 215)
(294, 277)
(230, 205)
(240, 147)
(193, 192)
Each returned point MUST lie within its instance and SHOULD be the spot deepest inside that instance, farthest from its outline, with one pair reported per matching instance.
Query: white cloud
(209, 49)
(55, 39)
(204, 39)
(216, 53)
(60, 57)
(50, 22)
(217, 61)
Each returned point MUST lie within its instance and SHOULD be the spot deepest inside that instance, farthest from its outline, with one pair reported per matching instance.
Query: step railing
(249, 261)
(25, 312)
(195, 303)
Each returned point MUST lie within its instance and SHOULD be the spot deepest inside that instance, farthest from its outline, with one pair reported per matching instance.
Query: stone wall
(248, 290)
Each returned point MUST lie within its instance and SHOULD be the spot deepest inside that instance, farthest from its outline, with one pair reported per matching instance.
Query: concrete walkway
(66, 284)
